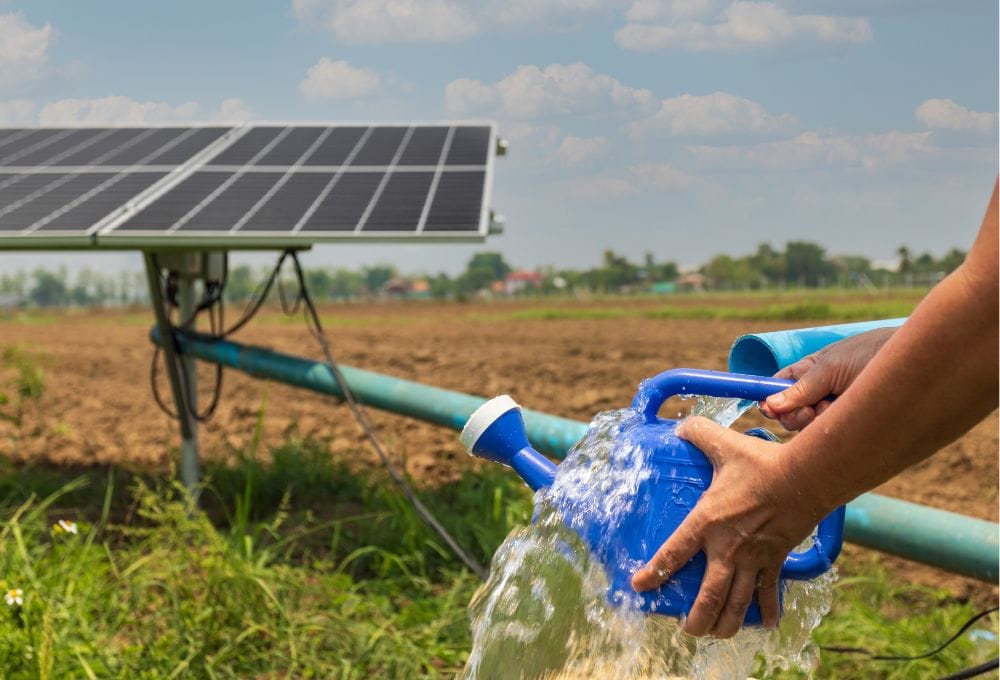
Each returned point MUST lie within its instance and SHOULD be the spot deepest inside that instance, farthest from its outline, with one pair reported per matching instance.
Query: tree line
(799, 264)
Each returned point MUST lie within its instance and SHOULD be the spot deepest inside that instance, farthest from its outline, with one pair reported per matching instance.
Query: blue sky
(681, 127)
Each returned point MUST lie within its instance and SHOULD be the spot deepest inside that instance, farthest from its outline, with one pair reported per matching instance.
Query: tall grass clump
(327, 575)
(306, 568)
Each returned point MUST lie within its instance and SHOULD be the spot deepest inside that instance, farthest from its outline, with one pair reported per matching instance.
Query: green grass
(792, 311)
(303, 568)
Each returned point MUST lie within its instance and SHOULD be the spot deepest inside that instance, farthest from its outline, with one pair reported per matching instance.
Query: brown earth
(97, 405)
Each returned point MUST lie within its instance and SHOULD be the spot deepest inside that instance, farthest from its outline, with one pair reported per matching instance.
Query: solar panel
(59, 185)
(289, 184)
(252, 186)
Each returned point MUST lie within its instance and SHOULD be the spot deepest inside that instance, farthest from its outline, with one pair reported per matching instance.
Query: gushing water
(544, 612)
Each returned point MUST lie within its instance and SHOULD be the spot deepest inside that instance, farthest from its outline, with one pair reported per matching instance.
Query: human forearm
(933, 380)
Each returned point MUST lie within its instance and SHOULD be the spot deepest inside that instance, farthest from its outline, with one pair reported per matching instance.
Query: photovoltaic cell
(335, 149)
(345, 204)
(381, 146)
(457, 202)
(50, 198)
(147, 146)
(401, 203)
(91, 153)
(289, 203)
(290, 149)
(424, 147)
(246, 147)
(175, 204)
(228, 207)
(14, 188)
(469, 146)
(188, 146)
(96, 207)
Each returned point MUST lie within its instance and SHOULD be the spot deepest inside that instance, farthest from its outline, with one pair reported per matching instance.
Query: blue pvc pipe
(767, 353)
(550, 434)
(941, 539)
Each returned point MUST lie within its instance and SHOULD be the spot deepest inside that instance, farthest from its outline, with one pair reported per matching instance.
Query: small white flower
(14, 597)
(68, 525)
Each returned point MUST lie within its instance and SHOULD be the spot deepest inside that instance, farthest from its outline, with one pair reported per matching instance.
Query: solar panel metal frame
(87, 238)
(103, 235)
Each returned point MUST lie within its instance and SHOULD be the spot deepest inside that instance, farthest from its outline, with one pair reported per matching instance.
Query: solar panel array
(265, 184)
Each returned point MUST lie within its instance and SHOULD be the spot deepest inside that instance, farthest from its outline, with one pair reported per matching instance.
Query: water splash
(544, 611)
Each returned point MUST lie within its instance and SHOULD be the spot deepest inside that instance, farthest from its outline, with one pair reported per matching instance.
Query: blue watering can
(679, 474)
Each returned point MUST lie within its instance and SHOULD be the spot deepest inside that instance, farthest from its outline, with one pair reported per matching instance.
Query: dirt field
(97, 408)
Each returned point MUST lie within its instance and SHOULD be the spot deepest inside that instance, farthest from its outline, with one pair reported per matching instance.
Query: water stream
(544, 611)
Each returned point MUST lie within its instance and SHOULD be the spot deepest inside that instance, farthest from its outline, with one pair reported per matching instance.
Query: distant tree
(319, 282)
(49, 289)
(952, 259)
(240, 283)
(442, 286)
(377, 276)
(768, 263)
(905, 260)
(807, 262)
(346, 284)
(616, 272)
(482, 270)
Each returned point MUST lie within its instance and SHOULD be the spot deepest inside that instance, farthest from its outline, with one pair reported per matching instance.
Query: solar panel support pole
(189, 442)
(174, 365)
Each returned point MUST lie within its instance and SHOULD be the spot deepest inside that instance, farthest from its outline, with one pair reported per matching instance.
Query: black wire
(973, 671)
(885, 657)
(361, 416)
(212, 299)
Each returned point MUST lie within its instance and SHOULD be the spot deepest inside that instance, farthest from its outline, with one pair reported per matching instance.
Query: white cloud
(662, 176)
(549, 13)
(439, 21)
(235, 110)
(328, 79)
(389, 21)
(557, 89)
(578, 150)
(945, 114)
(598, 187)
(712, 114)
(699, 25)
(115, 110)
(813, 150)
(23, 47)
(16, 111)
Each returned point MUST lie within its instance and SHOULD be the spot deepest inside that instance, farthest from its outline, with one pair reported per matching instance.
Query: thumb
(713, 439)
(810, 389)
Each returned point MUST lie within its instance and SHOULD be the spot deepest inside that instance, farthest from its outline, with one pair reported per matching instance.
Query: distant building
(420, 289)
(396, 287)
(520, 280)
(695, 281)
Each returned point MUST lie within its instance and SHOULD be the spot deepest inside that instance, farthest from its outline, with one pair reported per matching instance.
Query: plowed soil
(97, 407)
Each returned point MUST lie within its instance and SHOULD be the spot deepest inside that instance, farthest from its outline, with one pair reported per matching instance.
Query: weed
(304, 568)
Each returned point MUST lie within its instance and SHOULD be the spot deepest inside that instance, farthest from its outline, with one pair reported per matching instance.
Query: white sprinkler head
(483, 417)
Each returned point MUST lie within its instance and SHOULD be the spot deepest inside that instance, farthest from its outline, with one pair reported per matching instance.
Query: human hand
(746, 523)
(820, 375)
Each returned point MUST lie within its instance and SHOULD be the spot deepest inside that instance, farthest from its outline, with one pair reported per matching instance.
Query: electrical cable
(361, 416)
(973, 671)
(892, 657)
(214, 298)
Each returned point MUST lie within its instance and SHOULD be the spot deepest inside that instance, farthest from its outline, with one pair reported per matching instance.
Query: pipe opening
(752, 356)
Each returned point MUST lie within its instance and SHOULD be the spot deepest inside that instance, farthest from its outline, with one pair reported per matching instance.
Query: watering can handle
(689, 381)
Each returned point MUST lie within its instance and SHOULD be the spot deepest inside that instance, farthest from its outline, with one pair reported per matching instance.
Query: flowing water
(544, 611)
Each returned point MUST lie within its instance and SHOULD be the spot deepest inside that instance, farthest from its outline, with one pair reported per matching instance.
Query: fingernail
(776, 399)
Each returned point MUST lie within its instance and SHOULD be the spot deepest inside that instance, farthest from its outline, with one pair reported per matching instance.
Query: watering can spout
(496, 432)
